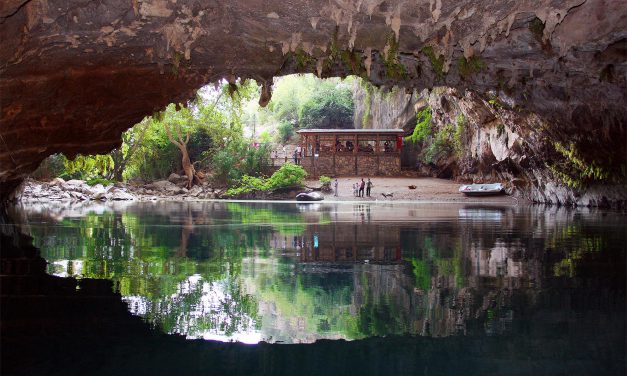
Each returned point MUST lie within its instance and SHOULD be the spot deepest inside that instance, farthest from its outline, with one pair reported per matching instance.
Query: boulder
(174, 178)
(195, 191)
(120, 195)
(57, 181)
(160, 185)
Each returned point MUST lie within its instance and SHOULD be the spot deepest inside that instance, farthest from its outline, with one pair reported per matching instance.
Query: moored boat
(482, 189)
(309, 196)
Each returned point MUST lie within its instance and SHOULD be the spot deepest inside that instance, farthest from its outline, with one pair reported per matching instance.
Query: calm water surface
(296, 273)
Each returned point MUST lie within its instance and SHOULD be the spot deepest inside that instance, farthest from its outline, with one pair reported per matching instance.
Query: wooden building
(351, 242)
(351, 152)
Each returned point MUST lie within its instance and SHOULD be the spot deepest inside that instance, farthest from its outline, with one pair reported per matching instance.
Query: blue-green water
(297, 273)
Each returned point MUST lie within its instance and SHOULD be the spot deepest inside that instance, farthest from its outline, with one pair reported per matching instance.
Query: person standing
(362, 185)
(335, 184)
(299, 154)
(369, 186)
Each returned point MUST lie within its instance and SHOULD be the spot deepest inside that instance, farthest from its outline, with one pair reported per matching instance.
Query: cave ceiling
(74, 74)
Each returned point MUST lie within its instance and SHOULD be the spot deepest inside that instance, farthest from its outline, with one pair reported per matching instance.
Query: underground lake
(217, 287)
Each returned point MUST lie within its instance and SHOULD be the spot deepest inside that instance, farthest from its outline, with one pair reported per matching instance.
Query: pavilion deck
(351, 152)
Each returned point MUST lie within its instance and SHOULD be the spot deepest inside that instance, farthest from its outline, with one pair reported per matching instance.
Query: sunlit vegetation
(573, 170)
(223, 133)
(305, 101)
(423, 128)
(438, 143)
(289, 175)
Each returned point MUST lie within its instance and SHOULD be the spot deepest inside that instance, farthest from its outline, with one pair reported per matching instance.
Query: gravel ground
(427, 190)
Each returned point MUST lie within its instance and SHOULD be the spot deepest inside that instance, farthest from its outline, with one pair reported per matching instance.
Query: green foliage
(441, 145)
(309, 102)
(574, 171)
(88, 166)
(495, 102)
(422, 274)
(325, 180)
(437, 62)
(368, 89)
(469, 67)
(213, 120)
(239, 159)
(423, 126)
(459, 134)
(286, 131)
(328, 107)
(326, 183)
(289, 175)
(304, 61)
(94, 181)
(393, 67)
(264, 137)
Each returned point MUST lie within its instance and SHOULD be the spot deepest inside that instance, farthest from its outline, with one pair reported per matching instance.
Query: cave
(74, 76)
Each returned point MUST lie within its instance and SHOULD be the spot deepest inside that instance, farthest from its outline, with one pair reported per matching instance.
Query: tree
(190, 172)
(329, 107)
(131, 140)
(286, 131)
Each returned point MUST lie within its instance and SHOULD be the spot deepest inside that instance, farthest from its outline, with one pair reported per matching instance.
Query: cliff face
(476, 139)
(74, 75)
(381, 109)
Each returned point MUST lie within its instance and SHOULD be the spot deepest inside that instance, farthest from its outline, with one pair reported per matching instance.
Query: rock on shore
(78, 190)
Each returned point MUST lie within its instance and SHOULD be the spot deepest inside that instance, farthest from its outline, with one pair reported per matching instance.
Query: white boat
(309, 196)
(482, 189)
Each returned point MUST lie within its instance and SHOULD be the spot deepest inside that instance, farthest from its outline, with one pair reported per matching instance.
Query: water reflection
(298, 273)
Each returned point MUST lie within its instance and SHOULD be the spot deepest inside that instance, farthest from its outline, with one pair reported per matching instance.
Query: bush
(325, 180)
(326, 183)
(441, 145)
(423, 126)
(94, 181)
(289, 175)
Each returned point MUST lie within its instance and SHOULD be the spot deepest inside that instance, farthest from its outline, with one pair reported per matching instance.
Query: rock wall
(377, 108)
(75, 74)
(491, 140)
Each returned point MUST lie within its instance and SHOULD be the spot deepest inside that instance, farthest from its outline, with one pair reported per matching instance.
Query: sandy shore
(427, 190)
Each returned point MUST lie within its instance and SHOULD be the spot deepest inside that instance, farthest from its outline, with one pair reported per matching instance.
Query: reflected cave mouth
(263, 282)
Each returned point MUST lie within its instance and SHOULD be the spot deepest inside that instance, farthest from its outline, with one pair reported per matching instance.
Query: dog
(386, 195)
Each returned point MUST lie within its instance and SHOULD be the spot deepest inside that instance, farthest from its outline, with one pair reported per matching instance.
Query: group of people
(340, 147)
(358, 188)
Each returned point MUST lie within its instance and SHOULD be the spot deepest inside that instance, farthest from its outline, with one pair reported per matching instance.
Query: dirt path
(427, 190)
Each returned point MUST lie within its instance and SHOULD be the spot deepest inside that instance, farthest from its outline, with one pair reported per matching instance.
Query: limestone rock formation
(74, 75)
